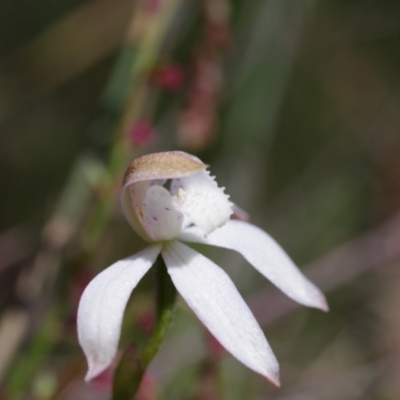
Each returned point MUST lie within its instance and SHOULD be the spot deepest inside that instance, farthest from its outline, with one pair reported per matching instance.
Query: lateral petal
(160, 218)
(131, 204)
(102, 307)
(265, 254)
(215, 300)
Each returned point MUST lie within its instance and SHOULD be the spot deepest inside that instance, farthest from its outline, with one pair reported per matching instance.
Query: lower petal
(215, 300)
(102, 307)
(262, 251)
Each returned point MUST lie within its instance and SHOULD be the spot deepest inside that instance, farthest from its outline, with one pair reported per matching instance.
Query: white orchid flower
(194, 209)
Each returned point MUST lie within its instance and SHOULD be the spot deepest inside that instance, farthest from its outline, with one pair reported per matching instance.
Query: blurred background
(295, 104)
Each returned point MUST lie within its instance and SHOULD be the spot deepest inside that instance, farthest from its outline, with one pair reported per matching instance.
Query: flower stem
(132, 366)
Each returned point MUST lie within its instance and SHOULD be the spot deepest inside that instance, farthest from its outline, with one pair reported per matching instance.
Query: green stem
(132, 366)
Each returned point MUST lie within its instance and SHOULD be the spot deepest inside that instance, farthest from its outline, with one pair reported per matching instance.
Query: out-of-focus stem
(146, 48)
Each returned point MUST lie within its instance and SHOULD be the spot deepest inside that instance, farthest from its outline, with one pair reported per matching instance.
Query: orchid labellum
(192, 209)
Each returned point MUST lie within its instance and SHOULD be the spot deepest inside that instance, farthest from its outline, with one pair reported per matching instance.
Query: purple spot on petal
(167, 209)
(155, 218)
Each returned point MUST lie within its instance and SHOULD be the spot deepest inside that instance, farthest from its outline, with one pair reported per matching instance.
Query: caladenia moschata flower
(192, 209)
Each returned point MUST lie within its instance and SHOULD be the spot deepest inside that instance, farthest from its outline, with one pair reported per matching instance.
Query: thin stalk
(131, 368)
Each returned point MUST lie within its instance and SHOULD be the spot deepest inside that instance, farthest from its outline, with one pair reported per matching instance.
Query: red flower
(170, 77)
(142, 134)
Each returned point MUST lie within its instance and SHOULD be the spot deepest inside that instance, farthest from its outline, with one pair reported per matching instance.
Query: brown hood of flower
(166, 165)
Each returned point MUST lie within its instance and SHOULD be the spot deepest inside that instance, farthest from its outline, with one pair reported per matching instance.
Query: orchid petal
(102, 306)
(160, 218)
(131, 201)
(261, 250)
(215, 300)
(202, 201)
